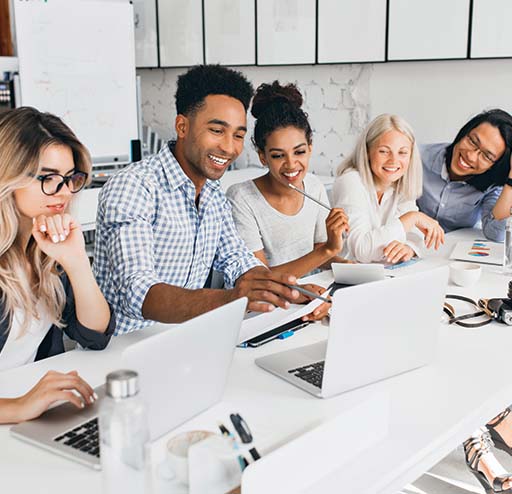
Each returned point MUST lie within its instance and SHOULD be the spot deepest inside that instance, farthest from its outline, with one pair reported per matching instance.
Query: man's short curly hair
(203, 80)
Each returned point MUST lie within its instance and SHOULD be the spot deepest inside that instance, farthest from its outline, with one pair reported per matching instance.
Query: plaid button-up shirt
(150, 231)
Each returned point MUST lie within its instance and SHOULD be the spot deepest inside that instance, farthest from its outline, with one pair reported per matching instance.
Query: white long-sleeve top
(372, 225)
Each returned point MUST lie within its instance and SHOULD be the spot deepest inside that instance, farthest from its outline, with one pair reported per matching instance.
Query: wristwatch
(508, 182)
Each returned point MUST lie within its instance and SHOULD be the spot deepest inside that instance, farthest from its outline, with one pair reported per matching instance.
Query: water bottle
(507, 258)
(123, 434)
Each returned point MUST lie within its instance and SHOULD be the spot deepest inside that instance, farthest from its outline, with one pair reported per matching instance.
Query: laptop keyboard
(312, 373)
(84, 438)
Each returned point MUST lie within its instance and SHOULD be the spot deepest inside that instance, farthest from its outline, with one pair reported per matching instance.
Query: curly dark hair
(498, 173)
(202, 80)
(276, 107)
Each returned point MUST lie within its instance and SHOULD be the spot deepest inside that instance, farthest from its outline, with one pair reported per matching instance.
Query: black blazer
(52, 343)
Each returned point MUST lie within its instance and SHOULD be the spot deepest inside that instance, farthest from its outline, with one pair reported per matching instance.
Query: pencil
(308, 293)
(320, 203)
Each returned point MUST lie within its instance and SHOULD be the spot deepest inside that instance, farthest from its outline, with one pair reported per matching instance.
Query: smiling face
(287, 154)
(30, 200)
(211, 138)
(476, 152)
(389, 156)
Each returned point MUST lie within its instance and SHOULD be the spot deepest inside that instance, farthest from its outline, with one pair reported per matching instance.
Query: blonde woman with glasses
(377, 186)
(46, 283)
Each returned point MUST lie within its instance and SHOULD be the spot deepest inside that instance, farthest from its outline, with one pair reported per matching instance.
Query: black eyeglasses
(53, 182)
(483, 157)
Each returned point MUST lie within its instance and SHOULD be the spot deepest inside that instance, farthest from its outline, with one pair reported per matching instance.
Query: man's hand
(323, 309)
(266, 289)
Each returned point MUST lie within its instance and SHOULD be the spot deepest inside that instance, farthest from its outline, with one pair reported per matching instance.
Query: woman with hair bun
(285, 230)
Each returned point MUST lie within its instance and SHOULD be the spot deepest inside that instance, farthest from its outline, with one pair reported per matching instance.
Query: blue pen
(226, 432)
(286, 334)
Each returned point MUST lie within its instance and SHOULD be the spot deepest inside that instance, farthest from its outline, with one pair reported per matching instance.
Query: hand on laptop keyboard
(52, 387)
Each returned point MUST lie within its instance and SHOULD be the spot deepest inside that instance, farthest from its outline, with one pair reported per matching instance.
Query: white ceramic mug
(465, 273)
(177, 452)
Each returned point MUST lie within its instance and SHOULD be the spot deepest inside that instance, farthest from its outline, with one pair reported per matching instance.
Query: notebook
(480, 251)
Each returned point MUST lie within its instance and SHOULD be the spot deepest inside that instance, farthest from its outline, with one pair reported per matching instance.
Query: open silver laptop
(377, 330)
(182, 372)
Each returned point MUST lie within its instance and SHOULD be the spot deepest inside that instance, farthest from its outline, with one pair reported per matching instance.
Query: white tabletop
(405, 424)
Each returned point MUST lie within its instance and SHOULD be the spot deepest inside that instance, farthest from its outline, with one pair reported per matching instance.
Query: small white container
(465, 273)
(177, 452)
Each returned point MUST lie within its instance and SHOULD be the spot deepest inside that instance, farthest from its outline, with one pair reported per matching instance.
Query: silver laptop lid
(354, 274)
(383, 328)
(184, 370)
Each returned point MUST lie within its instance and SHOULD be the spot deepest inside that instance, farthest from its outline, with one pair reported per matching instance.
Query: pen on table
(244, 433)
(300, 191)
(241, 460)
(308, 293)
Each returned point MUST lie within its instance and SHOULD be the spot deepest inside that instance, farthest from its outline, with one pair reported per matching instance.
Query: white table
(421, 415)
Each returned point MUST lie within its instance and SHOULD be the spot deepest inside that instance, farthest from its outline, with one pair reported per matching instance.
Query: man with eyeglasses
(470, 180)
(164, 223)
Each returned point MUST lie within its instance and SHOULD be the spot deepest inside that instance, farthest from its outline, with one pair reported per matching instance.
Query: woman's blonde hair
(24, 133)
(410, 185)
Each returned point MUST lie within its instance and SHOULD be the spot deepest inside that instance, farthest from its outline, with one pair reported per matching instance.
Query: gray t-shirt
(283, 238)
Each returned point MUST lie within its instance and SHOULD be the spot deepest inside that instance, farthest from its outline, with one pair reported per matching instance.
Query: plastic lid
(122, 384)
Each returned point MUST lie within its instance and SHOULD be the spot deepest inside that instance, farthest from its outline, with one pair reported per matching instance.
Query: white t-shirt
(283, 238)
(372, 225)
(20, 350)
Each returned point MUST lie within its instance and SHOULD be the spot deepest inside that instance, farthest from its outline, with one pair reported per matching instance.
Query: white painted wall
(336, 99)
(435, 97)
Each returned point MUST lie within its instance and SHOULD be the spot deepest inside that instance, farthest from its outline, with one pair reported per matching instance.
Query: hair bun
(271, 94)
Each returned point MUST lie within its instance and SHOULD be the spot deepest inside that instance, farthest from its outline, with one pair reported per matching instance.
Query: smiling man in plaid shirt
(164, 223)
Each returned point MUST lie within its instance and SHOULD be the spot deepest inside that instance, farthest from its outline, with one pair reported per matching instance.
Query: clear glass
(123, 435)
(507, 248)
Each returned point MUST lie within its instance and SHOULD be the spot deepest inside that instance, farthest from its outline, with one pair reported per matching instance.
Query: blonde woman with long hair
(377, 186)
(46, 284)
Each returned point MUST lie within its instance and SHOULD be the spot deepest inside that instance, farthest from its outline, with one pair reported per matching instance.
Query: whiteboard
(351, 31)
(491, 32)
(428, 29)
(146, 43)
(180, 27)
(77, 60)
(286, 32)
(230, 32)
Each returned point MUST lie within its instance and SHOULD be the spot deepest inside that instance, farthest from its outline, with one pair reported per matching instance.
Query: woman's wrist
(10, 411)
(408, 220)
(327, 251)
(76, 264)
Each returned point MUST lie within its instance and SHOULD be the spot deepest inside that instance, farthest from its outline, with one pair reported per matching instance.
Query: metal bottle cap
(122, 384)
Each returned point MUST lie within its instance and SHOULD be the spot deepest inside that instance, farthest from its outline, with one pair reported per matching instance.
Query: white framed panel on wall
(286, 31)
(180, 29)
(146, 39)
(230, 32)
(428, 29)
(351, 31)
(491, 34)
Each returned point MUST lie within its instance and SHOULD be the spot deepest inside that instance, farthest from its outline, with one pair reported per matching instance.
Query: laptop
(377, 330)
(182, 372)
(354, 274)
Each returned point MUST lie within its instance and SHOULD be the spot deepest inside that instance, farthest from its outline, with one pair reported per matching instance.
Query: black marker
(244, 432)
